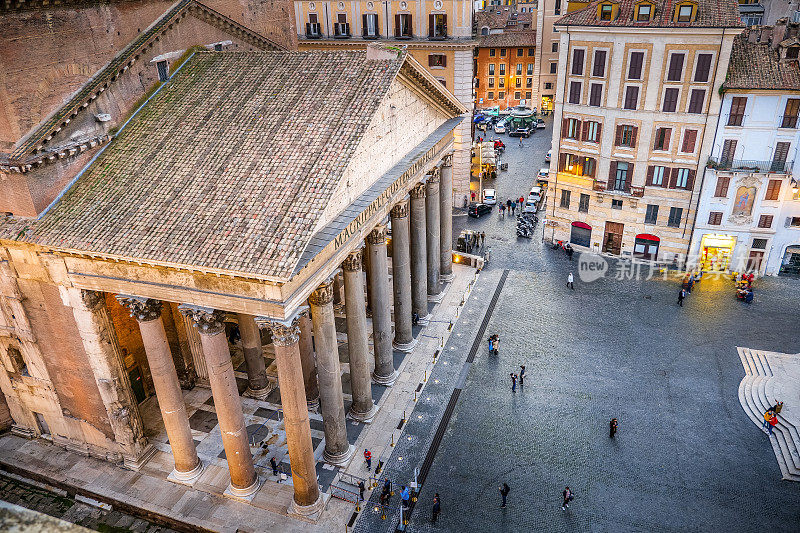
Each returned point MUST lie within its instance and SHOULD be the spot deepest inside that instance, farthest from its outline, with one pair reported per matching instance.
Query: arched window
(485, 31)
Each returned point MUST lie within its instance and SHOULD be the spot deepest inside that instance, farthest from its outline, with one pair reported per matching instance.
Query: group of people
(566, 496)
(689, 281)
(744, 286)
(771, 416)
(511, 206)
(520, 377)
(494, 344)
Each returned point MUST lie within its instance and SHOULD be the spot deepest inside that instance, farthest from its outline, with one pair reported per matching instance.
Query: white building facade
(748, 215)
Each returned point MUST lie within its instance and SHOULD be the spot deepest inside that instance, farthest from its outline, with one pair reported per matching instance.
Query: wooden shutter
(444, 25)
(444, 60)
(629, 178)
(599, 131)
(562, 161)
(722, 186)
(690, 180)
(650, 170)
(673, 177)
(689, 138)
(618, 136)
(364, 27)
(430, 60)
(431, 25)
(397, 25)
(633, 136)
(599, 68)
(703, 68)
(612, 175)
(675, 67)
(564, 127)
(635, 68)
(728, 151)
(667, 135)
(781, 152)
(577, 130)
(585, 134)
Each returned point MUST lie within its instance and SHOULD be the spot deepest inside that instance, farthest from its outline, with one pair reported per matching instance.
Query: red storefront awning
(647, 237)
(583, 225)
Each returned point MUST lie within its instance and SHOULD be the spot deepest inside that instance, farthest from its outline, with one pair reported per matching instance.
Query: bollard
(392, 443)
(415, 396)
(404, 415)
(425, 376)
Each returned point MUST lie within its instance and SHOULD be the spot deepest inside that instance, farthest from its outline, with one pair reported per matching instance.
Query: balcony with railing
(341, 30)
(632, 190)
(313, 30)
(741, 165)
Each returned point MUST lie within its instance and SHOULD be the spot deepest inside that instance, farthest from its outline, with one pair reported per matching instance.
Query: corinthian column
(329, 375)
(432, 229)
(228, 405)
(286, 336)
(147, 313)
(446, 217)
(257, 383)
(363, 408)
(401, 278)
(384, 373)
(308, 362)
(419, 274)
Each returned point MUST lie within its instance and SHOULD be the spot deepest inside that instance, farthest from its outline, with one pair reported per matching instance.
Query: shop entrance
(715, 252)
(612, 243)
(754, 261)
(547, 104)
(581, 234)
(790, 266)
(646, 246)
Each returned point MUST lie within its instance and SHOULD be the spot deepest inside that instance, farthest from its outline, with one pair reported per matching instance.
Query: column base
(425, 320)
(365, 418)
(340, 459)
(406, 347)
(386, 381)
(308, 512)
(136, 463)
(258, 394)
(447, 278)
(246, 494)
(186, 478)
(436, 298)
(313, 405)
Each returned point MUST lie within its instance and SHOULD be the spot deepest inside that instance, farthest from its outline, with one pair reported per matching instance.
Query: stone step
(747, 370)
(765, 362)
(757, 363)
(790, 430)
(751, 362)
(743, 385)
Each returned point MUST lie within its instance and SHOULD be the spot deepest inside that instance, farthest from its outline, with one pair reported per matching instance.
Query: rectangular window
(490, 95)
(517, 82)
(370, 25)
(437, 26)
(728, 151)
(696, 100)
(621, 177)
(517, 95)
(502, 82)
(790, 113)
(554, 47)
(583, 203)
(635, 66)
(577, 61)
(765, 221)
(773, 190)
(685, 14)
(519, 69)
(502, 52)
(643, 13)
(574, 92)
(595, 94)
(491, 83)
(501, 94)
(573, 129)
(341, 28)
(703, 68)
(651, 216)
(402, 26)
(529, 83)
(675, 71)
(715, 218)
(531, 52)
(657, 177)
(520, 52)
(689, 140)
(675, 216)
(599, 68)
(670, 100)
(736, 116)
(491, 69)
(527, 95)
(779, 159)
(662, 139)
(605, 11)
(437, 60)
(529, 72)
(591, 131)
(721, 190)
(682, 181)
(759, 244)
(502, 69)
(616, 204)
(631, 97)
(553, 68)
(548, 85)
(626, 136)
(218, 47)
(492, 52)
(565, 194)
(163, 71)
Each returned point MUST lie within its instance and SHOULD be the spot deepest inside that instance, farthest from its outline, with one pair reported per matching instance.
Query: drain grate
(482, 330)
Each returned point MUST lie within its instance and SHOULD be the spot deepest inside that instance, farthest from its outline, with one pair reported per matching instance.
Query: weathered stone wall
(130, 341)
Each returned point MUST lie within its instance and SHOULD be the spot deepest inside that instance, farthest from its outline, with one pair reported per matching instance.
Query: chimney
(753, 35)
(778, 32)
(383, 52)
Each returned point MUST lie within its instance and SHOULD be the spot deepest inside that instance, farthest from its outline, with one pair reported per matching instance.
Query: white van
(535, 195)
(489, 197)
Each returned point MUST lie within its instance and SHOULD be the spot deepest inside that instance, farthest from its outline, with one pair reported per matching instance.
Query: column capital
(284, 333)
(400, 209)
(447, 160)
(433, 176)
(208, 321)
(353, 261)
(417, 191)
(142, 309)
(322, 295)
(378, 235)
(91, 299)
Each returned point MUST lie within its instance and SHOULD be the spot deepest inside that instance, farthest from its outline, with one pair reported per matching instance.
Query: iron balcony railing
(751, 166)
(633, 190)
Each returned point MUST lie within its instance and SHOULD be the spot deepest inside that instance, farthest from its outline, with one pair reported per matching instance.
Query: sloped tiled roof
(228, 166)
(123, 60)
(509, 39)
(498, 19)
(710, 14)
(757, 66)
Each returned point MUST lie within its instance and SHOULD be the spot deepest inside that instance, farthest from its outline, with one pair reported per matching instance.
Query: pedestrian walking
(521, 202)
(513, 382)
(361, 490)
(570, 281)
(773, 421)
(405, 496)
(520, 142)
(521, 375)
(681, 296)
(274, 465)
(502, 211)
(387, 490)
(491, 344)
(690, 284)
(368, 458)
(778, 407)
(496, 343)
(508, 204)
(473, 195)
(437, 508)
(568, 248)
(504, 490)
(483, 239)
(612, 428)
(568, 497)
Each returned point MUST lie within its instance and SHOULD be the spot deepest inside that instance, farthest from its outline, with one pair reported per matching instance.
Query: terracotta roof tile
(756, 65)
(509, 39)
(207, 174)
(710, 14)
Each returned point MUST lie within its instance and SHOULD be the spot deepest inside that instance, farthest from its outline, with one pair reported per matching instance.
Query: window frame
(566, 196)
(714, 218)
(572, 85)
(596, 102)
(630, 100)
(577, 65)
(765, 221)
(698, 57)
(596, 54)
(674, 103)
(721, 187)
(651, 215)
(639, 12)
(583, 203)
(640, 66)
(673, 56)
(700, 106)
(672, 222)
(603, 11)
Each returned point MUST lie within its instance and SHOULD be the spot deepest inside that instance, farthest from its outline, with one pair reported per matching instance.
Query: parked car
(530, 207)
(489, 197)
(478, 210)
(539, 124)
(543, 173)
(549, 156)
(500, 127)
(535, 195)
(520, 132)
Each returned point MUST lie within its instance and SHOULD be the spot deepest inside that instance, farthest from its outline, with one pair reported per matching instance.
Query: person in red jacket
(368, 458)
(773, 421)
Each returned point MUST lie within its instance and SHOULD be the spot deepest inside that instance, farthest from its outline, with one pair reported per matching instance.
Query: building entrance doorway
(137, 384)
(715, 252)
(790, 266)
(612, 243)
(646, 246)
(754, 261)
